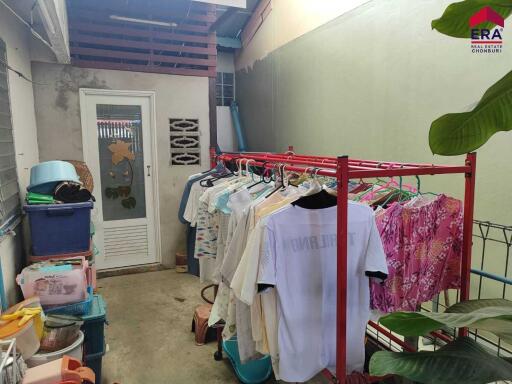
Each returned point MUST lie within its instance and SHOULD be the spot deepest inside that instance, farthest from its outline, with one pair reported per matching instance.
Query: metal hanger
(262, 180)
(278, 187)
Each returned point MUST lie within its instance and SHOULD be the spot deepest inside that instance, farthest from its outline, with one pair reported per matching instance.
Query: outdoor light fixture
(143, 21)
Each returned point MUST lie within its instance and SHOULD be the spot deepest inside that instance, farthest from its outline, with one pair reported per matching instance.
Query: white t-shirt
(193, 203)
(299, 259)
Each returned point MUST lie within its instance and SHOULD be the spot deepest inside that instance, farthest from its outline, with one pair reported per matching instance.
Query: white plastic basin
(74, 350)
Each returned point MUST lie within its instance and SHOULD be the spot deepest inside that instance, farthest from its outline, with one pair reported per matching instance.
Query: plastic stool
(200, 323)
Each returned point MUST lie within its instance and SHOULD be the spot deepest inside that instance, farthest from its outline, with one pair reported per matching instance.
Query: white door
(117, 141)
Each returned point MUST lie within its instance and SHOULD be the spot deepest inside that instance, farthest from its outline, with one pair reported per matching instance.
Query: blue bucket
(44, 177)
(252, 372)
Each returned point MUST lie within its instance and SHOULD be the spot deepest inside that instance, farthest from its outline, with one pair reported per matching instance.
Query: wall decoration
(121, 150)
(184, 142)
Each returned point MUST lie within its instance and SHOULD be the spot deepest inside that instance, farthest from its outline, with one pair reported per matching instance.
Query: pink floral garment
(423, 248)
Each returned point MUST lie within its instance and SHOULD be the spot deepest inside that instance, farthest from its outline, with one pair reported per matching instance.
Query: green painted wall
(368, 84)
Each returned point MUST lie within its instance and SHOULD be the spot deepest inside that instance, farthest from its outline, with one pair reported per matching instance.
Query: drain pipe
(235, 116)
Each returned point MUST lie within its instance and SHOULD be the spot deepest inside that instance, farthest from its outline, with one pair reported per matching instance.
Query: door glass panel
(121, 161)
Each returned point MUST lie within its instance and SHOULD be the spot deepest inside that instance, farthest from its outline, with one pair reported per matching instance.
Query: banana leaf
(455, 19)
(459, 133)
(473, 305)
(463, 361)
(493, 315)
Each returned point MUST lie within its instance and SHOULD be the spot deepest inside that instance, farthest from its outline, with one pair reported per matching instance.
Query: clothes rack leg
(467, 236)
(341, 280)
(218, 353)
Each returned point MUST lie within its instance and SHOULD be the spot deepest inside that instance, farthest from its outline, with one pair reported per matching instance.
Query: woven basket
(83, 173)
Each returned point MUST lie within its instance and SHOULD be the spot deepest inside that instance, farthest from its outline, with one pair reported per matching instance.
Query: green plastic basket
(253, 372)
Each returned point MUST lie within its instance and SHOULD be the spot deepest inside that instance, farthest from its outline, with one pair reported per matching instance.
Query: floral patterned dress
(423, 245)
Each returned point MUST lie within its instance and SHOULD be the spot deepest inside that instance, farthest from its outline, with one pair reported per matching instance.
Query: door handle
(148, 166)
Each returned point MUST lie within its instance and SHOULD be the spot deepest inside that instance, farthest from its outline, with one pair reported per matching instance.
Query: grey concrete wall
(60, 133)
(226, 137)
(255, 94)
(369, 84)
(18, 43)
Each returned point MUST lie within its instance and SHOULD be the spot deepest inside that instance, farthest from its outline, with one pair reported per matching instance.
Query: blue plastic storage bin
(252, 372)
(94, 326)
(73, 309)
(59, 228)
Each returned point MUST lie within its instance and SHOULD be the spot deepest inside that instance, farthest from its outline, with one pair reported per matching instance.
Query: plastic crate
(73, 309)
(59, 228)
(94, 326)
(87, 254)
(95, 362)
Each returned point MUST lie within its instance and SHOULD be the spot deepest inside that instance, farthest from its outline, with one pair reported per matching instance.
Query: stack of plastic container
(63, 232)
(61, 242)
(58, 230)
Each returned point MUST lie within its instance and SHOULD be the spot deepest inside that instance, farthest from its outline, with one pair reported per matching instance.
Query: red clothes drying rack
(344, 169)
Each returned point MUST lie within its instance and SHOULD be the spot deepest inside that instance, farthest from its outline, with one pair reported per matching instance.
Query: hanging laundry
(299, 260)
(423, 245)
(271, 248)
(231, 217)
(188, 210)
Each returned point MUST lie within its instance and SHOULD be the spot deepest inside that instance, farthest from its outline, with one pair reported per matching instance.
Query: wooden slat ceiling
(97, 41)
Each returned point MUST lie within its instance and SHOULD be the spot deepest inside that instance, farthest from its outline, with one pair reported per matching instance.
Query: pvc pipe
(238, 126)
(492, 276)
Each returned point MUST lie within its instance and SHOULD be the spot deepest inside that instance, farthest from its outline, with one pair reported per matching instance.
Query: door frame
(151, 95)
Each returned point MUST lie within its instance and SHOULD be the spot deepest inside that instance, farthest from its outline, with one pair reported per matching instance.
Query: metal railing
(490, 278)
(490, 273)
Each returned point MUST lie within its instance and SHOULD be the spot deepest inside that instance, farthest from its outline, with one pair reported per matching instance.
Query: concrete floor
(149, 338)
